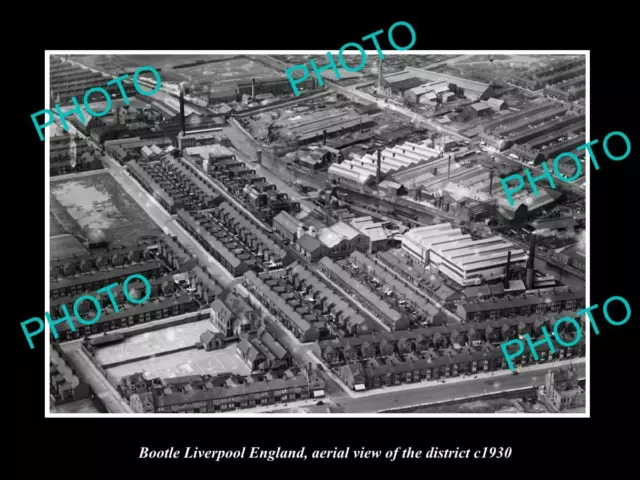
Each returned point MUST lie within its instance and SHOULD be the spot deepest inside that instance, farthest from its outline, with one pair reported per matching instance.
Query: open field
(96, 203)
(116, 64)
(151, 343)
(190, 362)
(226, 73)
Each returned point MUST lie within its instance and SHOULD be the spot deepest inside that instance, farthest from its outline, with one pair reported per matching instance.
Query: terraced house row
(306, 305)
(223, 393)
(243, 182)
(233, 240)
(417, 276)
(173, 186)
(371, 361)
(492, 332)
(538, 303)
(93, 271)
(422, 310)
(411, 368)
(393, 319)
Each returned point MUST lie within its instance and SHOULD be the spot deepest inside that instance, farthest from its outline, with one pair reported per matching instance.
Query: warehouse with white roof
(464, 260)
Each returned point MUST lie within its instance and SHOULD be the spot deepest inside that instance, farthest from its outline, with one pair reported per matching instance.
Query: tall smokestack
(378, 167)
(324, 137)
(182, 121)
(507, 272)
(379, 74)
(253, 88)
(491, 183)
(530, 263)
(449, 168)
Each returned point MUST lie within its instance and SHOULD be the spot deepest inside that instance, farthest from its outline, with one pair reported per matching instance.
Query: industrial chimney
(324, 137)
(507, 272)
(253, 88)
(449, 168)
(491, 183)
(378, 167)
(182, 122)
(530, 262)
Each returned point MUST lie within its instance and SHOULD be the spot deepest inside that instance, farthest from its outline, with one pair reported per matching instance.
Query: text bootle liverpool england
(78, 111)
(332, 63)
(96, 302)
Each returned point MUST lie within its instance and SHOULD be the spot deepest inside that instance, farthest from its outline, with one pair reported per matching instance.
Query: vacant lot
(97, 203)
(151, 343)
(190, 362)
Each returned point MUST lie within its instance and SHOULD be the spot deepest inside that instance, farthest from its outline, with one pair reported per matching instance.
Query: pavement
(455, 390)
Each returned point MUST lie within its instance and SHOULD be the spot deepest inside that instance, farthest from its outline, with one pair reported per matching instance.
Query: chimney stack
(507, 272)
(491, 183)
(449, 168)
(253, 88)
(530, 263)
(324, 137)
(182, 122)
(378, 168)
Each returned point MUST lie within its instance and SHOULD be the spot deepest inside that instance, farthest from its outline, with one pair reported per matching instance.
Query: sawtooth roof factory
(465, 260)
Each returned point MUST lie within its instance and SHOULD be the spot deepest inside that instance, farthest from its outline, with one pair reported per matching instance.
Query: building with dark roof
(94, 280)
(207, 394)
(288, 226)
(311, 248)
(261, 351)
(393, 319)
(429, 353)
(232, 316)
(279, 308)
(539, 304)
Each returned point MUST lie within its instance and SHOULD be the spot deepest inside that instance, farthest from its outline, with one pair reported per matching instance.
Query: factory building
(363, 170)
(430, 92)
(379, 237)
(341, 239)
(288, 226)
(197, 138)
(470, 89)
(458, 256)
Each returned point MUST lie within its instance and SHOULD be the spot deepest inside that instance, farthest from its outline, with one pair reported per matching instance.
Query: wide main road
(457, 390)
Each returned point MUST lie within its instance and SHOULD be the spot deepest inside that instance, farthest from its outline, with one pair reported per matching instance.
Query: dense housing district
(347, 250)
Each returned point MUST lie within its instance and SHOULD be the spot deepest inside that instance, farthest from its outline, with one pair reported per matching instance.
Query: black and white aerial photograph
(242, 234)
